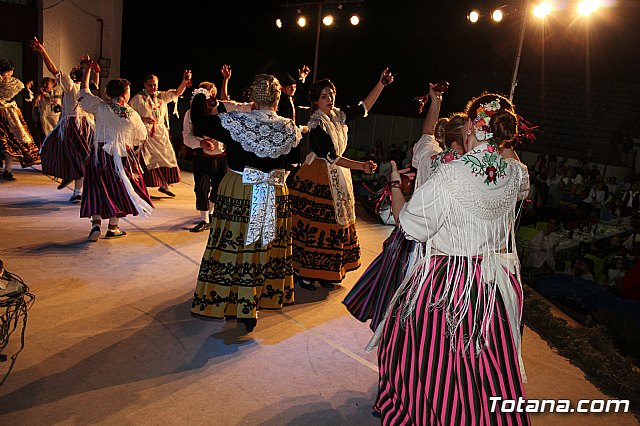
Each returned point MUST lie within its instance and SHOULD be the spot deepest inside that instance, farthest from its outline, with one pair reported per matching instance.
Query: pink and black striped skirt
(104, 193)
(371, 294)
(425, 379)
(64, 157)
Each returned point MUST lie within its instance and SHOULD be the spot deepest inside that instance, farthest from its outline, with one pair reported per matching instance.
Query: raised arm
(186, 82)
(429, 124)
(386, 78)
(38, 47)
(224, 89)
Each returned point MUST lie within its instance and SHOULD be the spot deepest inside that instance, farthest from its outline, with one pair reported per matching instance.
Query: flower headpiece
(202, 90)
(483, 117)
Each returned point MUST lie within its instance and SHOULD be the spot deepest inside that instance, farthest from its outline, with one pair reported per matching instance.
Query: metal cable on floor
(15, 301)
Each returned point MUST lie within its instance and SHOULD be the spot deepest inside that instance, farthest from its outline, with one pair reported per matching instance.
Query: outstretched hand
(304, 72)
(386, 77)
(36, 45)
(226, 72)
(433, 94)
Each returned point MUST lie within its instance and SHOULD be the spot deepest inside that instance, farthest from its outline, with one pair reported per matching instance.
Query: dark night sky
(421, 41)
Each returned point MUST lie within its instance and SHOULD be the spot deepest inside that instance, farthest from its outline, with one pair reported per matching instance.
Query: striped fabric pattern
(103, 193)
(162, 176)
(65, 157)
(371, 294)
(426, 381)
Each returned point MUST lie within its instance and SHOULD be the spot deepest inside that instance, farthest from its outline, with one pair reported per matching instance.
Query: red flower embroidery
(433, 157)
(448, 157)
(491, 148)
(491, 173)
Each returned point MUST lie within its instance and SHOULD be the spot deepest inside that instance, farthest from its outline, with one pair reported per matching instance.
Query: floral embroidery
(443, 157)
(486, 163)
(483, 117)
(120, 108)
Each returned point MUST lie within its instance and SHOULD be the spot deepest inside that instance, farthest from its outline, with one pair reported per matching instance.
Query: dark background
(421, 41)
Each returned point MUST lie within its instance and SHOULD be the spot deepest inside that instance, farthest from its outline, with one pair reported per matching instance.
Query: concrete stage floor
(110, 339)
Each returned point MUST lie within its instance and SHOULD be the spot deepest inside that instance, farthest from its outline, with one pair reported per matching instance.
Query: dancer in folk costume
(113, 185)
(370, 295)
(65, 150)
(209, 158)
(47, 106)
(15, 138)
(324, 233)
(159, 159)
(450, 339)
(247, 261)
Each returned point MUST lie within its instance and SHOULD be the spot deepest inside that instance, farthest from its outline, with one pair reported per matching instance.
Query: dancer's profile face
(7, 73)
(326, 100)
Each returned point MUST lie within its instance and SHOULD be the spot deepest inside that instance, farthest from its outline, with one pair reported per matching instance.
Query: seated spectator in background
(582, 268)
(614, 273)
(612, 185)
(631, 200)
(566, 177)
(542, 249)
(596, 198)
(553, 180)
(384, 169)
(594, 173)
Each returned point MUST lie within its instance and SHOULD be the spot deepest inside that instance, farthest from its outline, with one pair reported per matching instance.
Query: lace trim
(261, 132)
(9, 88)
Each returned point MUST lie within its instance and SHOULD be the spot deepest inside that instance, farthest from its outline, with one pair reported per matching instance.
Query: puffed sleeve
(423, 215)
(188, 137)
(424, 149)
(353, 112)
(89, 101)
(65, 81)
(169, 96)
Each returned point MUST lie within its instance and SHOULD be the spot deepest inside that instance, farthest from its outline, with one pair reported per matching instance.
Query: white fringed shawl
(467, 210)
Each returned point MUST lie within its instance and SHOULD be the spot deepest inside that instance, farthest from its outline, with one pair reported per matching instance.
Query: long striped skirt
(104, 193)
(427, 380)
(15, 138)
(161, 176)
(371, 294)
(237, 280)
(64, 157)
(322, 249)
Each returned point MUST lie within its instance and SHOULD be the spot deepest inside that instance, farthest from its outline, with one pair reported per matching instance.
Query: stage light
(327, 20)
(542, 9)
(302, 21)
(473, 16)
(586, 7)
(279, 23)
(496, 15)
(355, 20)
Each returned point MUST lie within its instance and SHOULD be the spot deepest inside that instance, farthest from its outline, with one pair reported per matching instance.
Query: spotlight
(302, 21)
(279, 23)
(586, 7)
(355, 20)
(473, 16)
(542, 9)
(496, 15)
(327, 20)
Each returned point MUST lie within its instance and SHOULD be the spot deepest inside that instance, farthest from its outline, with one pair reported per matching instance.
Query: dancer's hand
(433, 94)
(369, 167)
(36, 45)
(226, 72)
(395, 174)
(149, 120)
(206, 143)
(304, 72)
(29, 85)
(386, 77)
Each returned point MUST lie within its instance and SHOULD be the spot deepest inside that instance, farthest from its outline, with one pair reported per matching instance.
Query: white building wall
(70, 28)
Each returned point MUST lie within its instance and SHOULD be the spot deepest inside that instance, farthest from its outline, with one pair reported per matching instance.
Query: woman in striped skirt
(371, 294)
(65, 149)
(113, 185)
(450, 339)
